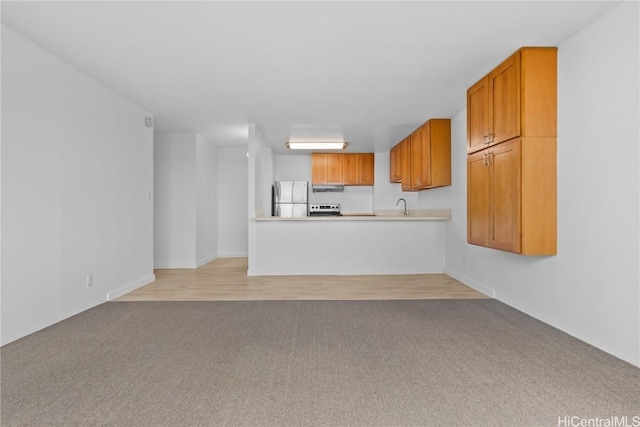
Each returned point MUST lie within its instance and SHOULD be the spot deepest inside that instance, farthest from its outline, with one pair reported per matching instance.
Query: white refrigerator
(290, 198)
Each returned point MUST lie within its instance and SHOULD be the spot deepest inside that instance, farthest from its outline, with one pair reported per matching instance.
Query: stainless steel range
(324, 210)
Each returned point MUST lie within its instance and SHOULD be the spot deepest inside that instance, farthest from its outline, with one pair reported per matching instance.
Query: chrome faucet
(406, 212)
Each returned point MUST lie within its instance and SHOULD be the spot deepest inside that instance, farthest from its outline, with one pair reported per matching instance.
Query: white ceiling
(371, 71)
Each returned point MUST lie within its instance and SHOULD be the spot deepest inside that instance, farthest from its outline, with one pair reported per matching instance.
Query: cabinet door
(334, 168)
(421, 157)
(366, 168)
(478, 193)
(405, 155)
(504, 168)
(395, 164)
(350, 169)
(319, 168)
(440, 148)
(326, 168)
(504, 102)
(478, 115)
(357, 169)
(425, 155)
(415, 142)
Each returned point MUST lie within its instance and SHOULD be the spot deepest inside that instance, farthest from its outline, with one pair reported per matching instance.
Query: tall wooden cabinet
(511, 167)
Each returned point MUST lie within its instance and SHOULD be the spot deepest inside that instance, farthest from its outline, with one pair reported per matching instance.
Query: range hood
(327, 188)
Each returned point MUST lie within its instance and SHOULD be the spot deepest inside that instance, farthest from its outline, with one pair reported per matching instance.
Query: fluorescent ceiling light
(316, 144)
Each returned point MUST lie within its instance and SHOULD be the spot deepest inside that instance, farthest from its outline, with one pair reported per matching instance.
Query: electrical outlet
(89, 280)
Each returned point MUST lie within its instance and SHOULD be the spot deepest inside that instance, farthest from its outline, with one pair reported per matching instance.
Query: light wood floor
(225, 279)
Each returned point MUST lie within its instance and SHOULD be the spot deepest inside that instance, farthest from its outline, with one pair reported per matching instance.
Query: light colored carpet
(309, 363)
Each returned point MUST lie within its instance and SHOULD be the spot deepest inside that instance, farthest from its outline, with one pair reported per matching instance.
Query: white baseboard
(470, 282)
(130, 287)
(233, 255)
(189, 266)
(169, 266)
(205, 260)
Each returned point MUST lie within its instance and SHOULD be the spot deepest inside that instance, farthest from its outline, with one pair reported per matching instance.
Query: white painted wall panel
(292, 167)
(591, 289)
(207, 201)
(76, 170)
(348, 247)
(233, 199)
(175, 200)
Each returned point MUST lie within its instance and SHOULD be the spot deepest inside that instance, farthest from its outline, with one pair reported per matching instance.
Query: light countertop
(379, 215)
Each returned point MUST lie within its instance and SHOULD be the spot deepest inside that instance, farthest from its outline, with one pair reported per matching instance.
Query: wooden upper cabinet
(478, 115)
(326, 168)
(350, 169)
(440, 144)
(366, 168)
(504, 101)
(539, 83)
(423, 159)
(334, 168)
(341, 168)
(415, 175)
(516, 99)
(395, 164)
(319, 168)
(431, 155)
(405, 163)
(358, 169)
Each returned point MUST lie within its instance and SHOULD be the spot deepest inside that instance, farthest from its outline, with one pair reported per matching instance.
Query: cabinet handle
(489, 154)
(484, 159)
(485, 138)
(490, 138)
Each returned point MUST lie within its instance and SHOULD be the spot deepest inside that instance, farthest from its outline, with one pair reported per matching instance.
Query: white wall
(260, 177)
(175, 200)
(207, 201)
(386, 193)
(292, 167)
(233, 199)
(76, 171)
(591, 289)
(439, 198)
(186, 201)
(347, 247)
(264, 181)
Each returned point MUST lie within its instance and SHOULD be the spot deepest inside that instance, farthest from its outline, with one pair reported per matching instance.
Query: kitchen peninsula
(385, 243)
